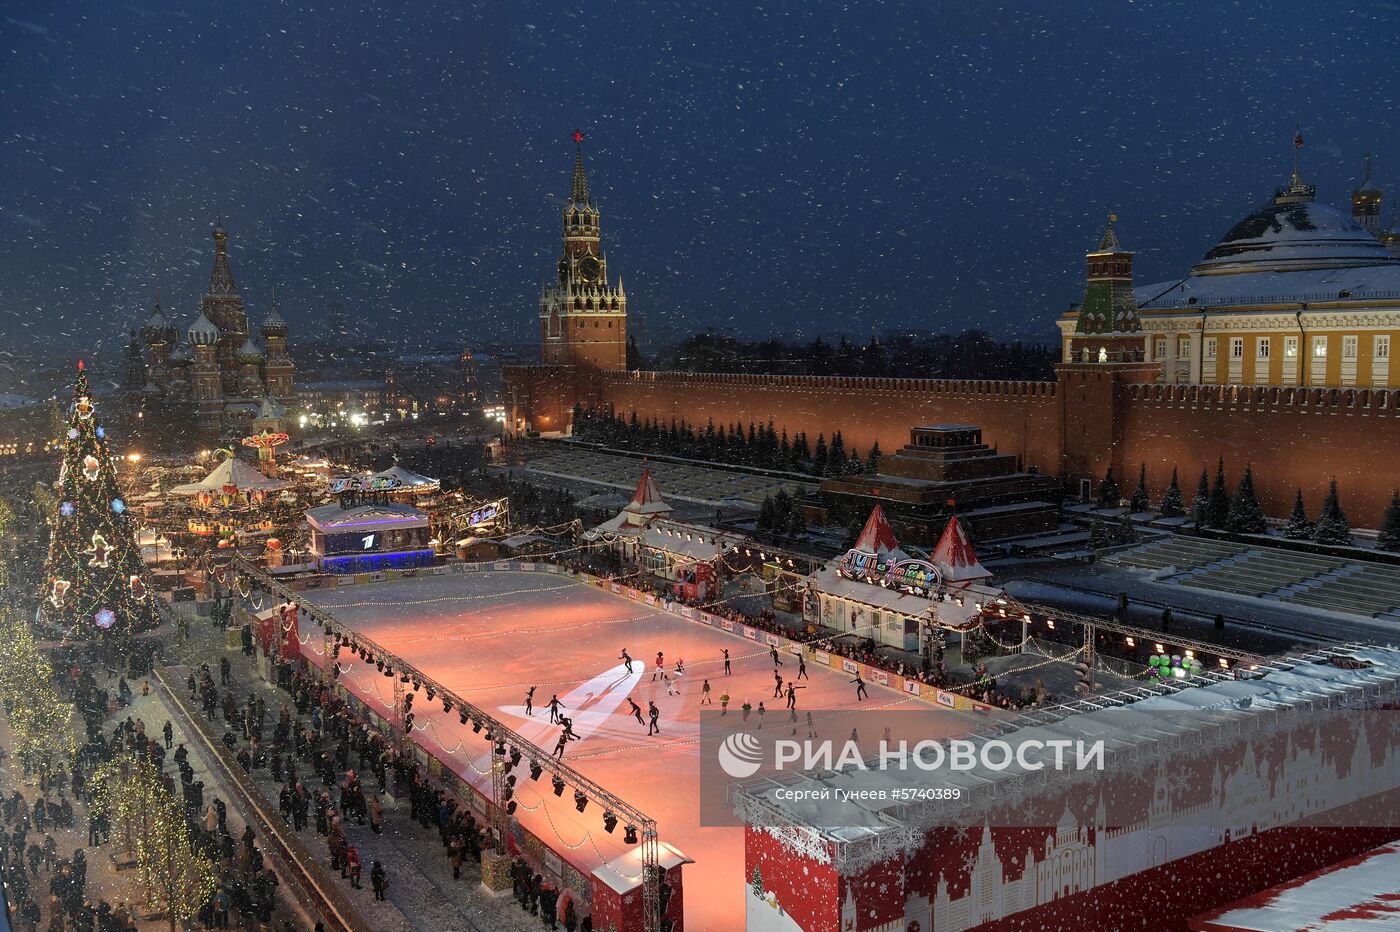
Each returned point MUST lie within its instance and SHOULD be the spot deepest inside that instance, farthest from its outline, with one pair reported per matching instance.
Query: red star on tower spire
(578, 135)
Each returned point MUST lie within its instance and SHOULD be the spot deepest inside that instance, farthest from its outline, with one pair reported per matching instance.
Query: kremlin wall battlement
(1142, 381)
(1075, 427)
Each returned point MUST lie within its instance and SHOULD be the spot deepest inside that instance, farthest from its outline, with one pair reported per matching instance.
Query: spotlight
(535, 770)
(510, 807)
(609, 822)
(510, 780)
(408, 702)
(408, 722)
(558, 782)
(431, 693)
(580, 800)
(389, 672)
(501, 748)
(446, 704)
(335, 671)
(417, 685)
(476, 726)
(404, 679)
(629, 834)
(514, 756)
(379, 665)
(507, 792)
(462, 716)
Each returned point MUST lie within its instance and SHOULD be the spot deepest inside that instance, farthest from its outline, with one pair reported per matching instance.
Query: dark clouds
(786, 167)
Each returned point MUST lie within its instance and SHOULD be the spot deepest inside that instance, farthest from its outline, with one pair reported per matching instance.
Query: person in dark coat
(378, 880)
(549, 898)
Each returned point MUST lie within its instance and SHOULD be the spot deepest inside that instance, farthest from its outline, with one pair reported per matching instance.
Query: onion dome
(274, 325)
(1294, 234)
(203, 332)
(158, 328)
(249, 351)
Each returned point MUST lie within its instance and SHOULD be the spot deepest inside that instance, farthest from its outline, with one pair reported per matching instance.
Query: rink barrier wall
(906, 686)
(554, 864)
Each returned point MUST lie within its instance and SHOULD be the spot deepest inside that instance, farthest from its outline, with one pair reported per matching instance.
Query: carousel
(231, 502)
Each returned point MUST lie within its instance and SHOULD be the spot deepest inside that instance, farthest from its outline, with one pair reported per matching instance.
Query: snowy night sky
(785, 167)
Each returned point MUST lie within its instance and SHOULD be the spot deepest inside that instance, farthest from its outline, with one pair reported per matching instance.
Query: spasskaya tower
(583, 319)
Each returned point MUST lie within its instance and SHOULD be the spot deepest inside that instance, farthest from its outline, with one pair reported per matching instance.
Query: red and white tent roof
(955, 557)
(645, 507)
(877, 536)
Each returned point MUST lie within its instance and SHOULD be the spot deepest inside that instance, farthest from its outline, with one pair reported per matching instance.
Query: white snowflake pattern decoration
(100, 551)
(91, 467)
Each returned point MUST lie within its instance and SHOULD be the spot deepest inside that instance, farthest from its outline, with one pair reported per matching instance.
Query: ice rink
(489, 637)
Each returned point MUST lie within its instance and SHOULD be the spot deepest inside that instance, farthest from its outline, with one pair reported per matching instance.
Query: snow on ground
(490, 636)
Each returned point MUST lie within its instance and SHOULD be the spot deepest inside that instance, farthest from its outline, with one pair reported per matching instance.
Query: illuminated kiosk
(363, 532)
(898, 597)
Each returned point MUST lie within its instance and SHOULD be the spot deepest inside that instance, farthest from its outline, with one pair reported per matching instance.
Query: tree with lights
(150, 824)
(41, 722)
(94, 580)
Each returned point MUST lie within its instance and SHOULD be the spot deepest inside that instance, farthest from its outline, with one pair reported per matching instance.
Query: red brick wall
(1021, 418)
(1295, 438)
(1077, 426)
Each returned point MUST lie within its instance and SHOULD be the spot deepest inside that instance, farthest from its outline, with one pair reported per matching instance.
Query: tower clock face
(589, 269)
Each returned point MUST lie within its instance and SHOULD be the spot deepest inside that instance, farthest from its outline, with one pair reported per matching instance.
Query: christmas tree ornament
(83, 407)
(66, 509)
(105, 618)
(100, 552)
(73, 433)
(137, 587)
(118, 505)
(59, 592)
(91, 467)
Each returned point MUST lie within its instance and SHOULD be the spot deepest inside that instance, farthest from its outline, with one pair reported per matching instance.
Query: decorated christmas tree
(94, 581)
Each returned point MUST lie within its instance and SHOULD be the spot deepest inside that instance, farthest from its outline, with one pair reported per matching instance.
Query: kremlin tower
(583, 319)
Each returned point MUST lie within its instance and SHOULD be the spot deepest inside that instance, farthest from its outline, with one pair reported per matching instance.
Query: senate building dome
(1294, 234)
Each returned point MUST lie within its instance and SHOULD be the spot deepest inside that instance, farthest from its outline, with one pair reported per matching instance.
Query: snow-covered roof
(1358, 894)
(332, 517)
(249, 350)
(1294, 235)
(877, 536)
(1215, 292)
(829, 581)
(408, 479)
(624, 872)
(645, 506)
(1126, 726)
(690, 541)
(203, 332)
(232, 471)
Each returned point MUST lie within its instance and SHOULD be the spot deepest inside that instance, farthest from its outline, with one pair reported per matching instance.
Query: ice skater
(705, 693)
(636, 710)
(792, 696)
(777, 685)
(559, 745)
(530, 701)
(761, 712)
(626, 659)
(801, 667)
(792, 720)
(671, 689)
(724, 704)
(652, 713)
(555, 707)
(726, 661)
(860, 688)
(745, 709)
(660, 666)
(773, 652)
(811, 727)
(680, 668)
(568, 724)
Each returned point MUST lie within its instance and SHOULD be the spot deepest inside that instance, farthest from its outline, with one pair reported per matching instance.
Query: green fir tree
(1173, 506)
(872, 460)
(1389, 536)
(1139, 501)
(1298, 526)
(1218, 508)
(756, 882)
(94, 581)
(1110, 496)
(1331, 526)
(1246, 515)
(1200, 504)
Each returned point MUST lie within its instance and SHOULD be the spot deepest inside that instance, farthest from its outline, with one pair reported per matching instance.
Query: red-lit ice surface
(489, 637)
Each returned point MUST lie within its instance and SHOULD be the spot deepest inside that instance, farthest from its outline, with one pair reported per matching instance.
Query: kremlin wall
(1144, 380)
